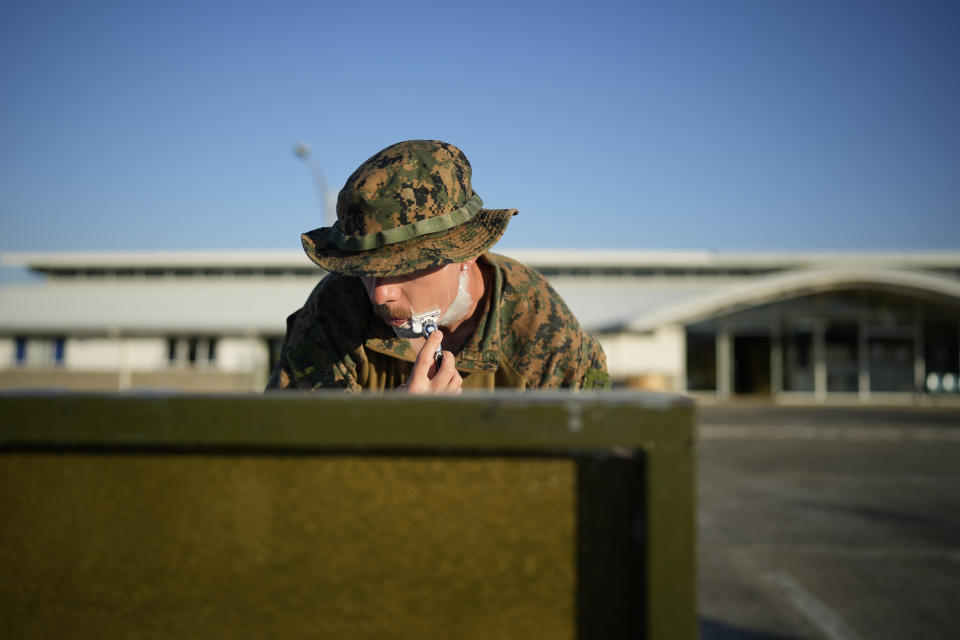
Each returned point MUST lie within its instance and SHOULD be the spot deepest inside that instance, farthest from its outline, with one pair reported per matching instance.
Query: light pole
(328, 202)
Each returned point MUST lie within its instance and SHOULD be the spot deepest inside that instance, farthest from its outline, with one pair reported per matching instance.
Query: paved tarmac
(829, 523)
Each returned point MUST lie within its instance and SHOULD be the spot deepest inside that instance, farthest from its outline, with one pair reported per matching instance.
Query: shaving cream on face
(457, 311)
(461, 304)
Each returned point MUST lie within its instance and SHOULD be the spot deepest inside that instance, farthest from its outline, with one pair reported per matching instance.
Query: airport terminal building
(789, 327)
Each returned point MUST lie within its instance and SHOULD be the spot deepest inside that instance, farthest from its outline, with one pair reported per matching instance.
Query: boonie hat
(409, 207)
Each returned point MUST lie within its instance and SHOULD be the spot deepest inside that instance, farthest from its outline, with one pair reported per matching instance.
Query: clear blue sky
(764, 124)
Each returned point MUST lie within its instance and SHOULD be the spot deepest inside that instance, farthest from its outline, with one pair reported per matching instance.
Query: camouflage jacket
(526, 339)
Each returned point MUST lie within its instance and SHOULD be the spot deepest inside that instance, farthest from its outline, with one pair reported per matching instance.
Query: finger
(448, 368)
(449, 362)
(435, 338)
(448, 379)
(439, 379)
(424, 365)
(455, 385)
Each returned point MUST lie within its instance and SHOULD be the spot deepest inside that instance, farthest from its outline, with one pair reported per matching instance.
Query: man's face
(397, 299)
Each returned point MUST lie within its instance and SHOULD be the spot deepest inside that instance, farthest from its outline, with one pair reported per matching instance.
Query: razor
(425, 324)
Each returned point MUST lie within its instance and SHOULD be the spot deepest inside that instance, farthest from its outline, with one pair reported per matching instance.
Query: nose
(383, 291)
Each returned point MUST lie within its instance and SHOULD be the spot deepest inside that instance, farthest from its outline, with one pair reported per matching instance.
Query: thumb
(435, 339)
(425, 357)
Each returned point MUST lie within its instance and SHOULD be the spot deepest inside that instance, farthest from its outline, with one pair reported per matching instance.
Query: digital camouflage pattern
(405, 182)
(407, 208)
(527, 339)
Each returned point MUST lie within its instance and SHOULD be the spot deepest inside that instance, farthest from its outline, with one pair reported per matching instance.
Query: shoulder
(520, 283)
(337, 288)
(335, 304)
(527, 299)
(323, 336)
(540, 336)
(517, 274)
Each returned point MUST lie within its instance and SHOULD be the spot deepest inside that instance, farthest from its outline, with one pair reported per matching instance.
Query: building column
(124, 372)
(680, 384)
(203, 350)
(125, 378)
(776, 358)
(863, 353)
(819, 359)
(919, 357)
(724, 363)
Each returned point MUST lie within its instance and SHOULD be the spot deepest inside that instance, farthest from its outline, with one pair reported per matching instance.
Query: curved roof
(793, 284)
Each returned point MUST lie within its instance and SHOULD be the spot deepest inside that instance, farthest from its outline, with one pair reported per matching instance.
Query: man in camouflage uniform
(411, 236)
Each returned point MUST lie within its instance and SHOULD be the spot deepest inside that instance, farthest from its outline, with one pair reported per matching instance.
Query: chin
(404, 331)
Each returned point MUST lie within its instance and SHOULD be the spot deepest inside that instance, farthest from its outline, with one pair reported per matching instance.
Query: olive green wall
(294, 547)
(294, 516)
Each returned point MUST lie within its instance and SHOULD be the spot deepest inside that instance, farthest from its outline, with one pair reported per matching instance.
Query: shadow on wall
(714, 630)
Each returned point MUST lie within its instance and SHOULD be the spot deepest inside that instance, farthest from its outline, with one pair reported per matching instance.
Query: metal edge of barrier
(661, 425)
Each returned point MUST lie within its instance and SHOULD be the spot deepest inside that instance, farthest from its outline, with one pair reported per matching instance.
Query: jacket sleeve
(591, 372)
(577, 361)
(543, 339)
(310, 357)
(283, 376)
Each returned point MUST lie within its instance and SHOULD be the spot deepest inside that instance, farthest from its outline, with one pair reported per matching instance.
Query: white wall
(661, 352)
(112, 354)
(241, 354)
(8, 353)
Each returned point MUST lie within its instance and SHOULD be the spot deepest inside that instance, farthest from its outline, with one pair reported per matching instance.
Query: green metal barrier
(507, 516)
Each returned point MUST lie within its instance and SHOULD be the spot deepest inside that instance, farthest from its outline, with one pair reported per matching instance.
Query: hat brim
(460, 243)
